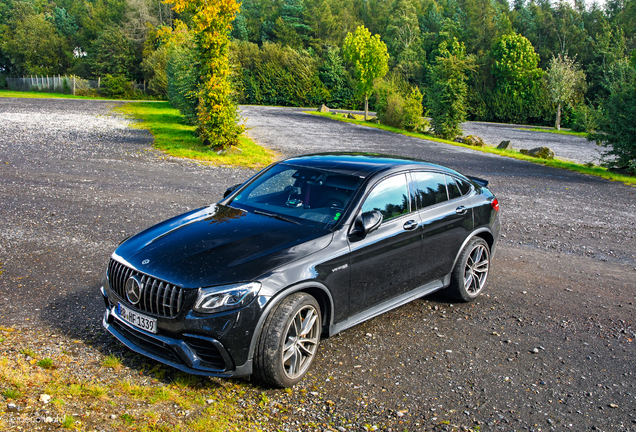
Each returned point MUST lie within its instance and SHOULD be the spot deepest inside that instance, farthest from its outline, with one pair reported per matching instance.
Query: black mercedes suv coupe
(305, 249)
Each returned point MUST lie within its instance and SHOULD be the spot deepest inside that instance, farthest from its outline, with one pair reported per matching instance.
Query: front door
(385, 263)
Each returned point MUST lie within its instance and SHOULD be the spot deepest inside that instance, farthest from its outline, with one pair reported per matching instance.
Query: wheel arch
(483, 233)
(314, 289)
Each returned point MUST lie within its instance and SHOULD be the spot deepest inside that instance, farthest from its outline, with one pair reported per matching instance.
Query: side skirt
(390, 304)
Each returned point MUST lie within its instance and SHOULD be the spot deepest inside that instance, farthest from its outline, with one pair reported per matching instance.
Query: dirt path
(548, 347)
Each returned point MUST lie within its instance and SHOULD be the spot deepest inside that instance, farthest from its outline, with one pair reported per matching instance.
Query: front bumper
(188, 352)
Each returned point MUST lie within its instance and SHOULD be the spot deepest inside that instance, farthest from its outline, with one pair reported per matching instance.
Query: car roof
(360, 164)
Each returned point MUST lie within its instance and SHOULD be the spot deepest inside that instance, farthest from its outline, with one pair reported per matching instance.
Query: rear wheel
(470, 274)
(289, 341)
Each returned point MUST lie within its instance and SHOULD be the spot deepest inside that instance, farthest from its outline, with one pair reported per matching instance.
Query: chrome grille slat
(159, 297)
(165, 295)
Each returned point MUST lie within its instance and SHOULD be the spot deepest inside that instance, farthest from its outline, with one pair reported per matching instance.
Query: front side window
(430, 188)
(390, 197)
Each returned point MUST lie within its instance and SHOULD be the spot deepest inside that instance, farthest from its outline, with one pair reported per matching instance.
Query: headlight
(217, 299)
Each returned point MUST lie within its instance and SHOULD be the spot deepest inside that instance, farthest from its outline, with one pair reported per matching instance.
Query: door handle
(410, 225)
(461, 210)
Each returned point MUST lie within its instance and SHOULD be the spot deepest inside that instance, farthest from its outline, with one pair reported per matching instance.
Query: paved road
(75, 180)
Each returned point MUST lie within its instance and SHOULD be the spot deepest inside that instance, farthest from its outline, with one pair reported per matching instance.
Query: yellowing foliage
(217, 118)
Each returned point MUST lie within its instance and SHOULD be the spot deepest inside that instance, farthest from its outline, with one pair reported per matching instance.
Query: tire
(289, 341)
(471, 271)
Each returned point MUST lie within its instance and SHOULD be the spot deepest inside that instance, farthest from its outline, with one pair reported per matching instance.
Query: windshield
(300, 194)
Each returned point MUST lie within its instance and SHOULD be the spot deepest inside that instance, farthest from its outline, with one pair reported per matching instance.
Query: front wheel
(289, 341)
(470, 274)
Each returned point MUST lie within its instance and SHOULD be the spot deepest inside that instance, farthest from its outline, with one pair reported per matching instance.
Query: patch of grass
(68, 422)
(112, 362)
(134, 390)
(12, 393)
(127, 418)
(28, 352)
(176, 138)
(162, 394)
(595, 171)
(185, 380)
(96, 391)
(45, 363)
(554, 131)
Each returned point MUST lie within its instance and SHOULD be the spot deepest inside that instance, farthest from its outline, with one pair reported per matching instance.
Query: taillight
(495, 204)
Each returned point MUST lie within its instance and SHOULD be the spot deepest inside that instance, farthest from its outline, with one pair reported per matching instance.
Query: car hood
(218, 245)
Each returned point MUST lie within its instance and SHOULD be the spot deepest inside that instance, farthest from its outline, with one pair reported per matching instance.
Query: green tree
(514, 64)
(334, 76)
(617, 130)
(403, 37)
(566, 82)
(35, 47)
(448, 89)
(112, 53)
(370, 60)
(217, 116)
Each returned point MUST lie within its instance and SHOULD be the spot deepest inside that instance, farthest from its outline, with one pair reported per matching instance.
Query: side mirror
(367, 222)
(231, 189)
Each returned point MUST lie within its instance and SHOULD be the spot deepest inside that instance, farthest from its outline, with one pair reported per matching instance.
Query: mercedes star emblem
(134, 289)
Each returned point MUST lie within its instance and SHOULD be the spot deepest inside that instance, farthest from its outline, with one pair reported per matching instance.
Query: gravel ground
(567, 147)
(548, 347)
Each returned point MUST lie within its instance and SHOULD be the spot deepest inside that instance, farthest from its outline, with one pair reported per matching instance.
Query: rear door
(446, 220)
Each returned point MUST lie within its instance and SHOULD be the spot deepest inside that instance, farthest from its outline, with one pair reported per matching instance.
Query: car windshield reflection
(298, 194)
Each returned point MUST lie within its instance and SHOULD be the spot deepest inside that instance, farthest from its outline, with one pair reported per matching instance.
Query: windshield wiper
(279, 217)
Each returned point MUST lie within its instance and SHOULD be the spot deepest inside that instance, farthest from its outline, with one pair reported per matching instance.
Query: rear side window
(390, 197)
(464, 186)
(430, 188)
(453, 189)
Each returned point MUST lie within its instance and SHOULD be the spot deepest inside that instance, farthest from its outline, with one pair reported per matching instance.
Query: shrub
(117, 86)
(398, 104)
(585, 119)
(182, 72)
(617, 130)
(277, 75)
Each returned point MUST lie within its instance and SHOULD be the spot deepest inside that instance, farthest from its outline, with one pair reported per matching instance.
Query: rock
(475, 141)
(505, 145)
(48, 419)
(373, 120)
(459, 140)
(45, 398)
(206, 142)
(233, 150)
(209, 401)
(113, 416)
(11, 407)
(539, 152)
(323, 108)
(351, 116)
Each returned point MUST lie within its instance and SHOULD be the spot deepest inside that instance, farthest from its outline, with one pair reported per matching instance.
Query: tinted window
(389, 197)
(430, 188)
(315, 197)
(453, 189)
(464, 186)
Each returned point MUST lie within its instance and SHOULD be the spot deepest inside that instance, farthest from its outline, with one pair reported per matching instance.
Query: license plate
(138, 320)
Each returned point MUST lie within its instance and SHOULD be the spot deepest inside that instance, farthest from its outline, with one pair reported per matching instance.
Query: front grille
(158, 297)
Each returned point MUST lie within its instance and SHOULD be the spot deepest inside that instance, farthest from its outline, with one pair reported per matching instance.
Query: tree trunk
(557, 124)
(366, 107)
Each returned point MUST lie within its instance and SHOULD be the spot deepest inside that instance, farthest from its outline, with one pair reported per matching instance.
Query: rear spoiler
(479, 181)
